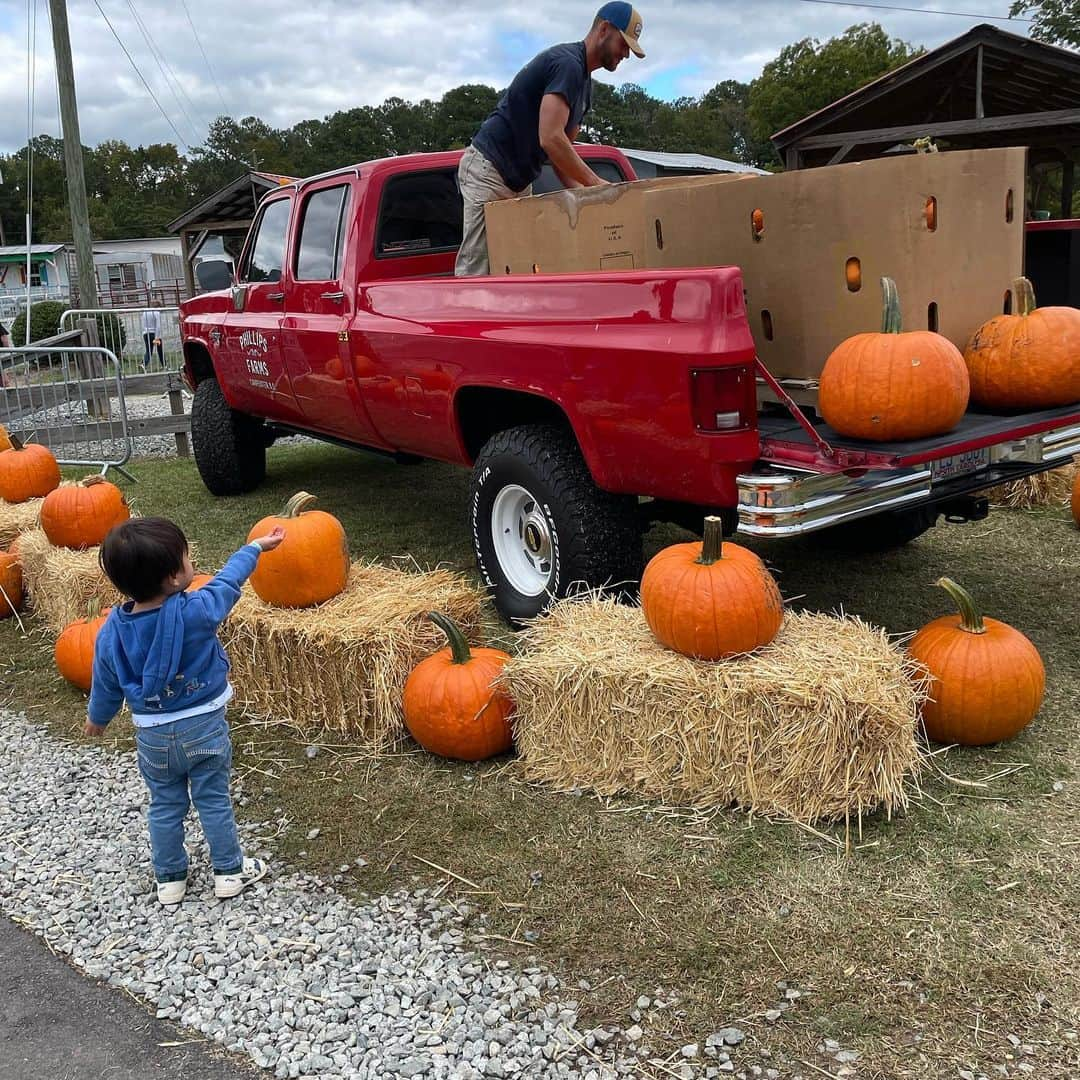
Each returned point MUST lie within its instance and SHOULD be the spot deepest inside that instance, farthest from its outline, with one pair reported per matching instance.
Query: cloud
(286, 62)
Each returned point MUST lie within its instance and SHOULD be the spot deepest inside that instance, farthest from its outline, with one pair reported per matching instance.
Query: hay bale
(61, 582)
(1052, 488)
(341, 667)
(17, 518)
(821, 724)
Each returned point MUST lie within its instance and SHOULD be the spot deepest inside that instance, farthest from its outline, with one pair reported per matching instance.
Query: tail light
(723, 399)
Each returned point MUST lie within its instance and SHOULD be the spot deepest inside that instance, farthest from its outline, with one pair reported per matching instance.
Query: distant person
(159, 651)
(539, 115)
(151, 328)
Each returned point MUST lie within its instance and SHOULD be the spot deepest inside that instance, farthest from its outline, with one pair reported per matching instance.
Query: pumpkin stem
(93, 608)
(890, 307)
(300, 502)
(1025, 296)
(16, 442)
(90, 481)
(459, 647)
(970, 616)
(712, 542)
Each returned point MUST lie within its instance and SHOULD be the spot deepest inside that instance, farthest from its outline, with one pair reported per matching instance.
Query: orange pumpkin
(711, 599)
(27, 472)
(74, 650)
(310, 565)
(987, 678)
(451, 708)
(198, 581)
(1028, 360)
(893, 385)
(80, 515)
(11, 584)
(5, 440)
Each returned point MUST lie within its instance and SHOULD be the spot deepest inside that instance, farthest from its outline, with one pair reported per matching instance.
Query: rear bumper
(779, 501)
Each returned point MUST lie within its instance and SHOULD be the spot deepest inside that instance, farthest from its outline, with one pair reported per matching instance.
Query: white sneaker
(226, 885)
(171, 892)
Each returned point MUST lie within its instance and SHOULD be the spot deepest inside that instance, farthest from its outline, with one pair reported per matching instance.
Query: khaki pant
(480, 182)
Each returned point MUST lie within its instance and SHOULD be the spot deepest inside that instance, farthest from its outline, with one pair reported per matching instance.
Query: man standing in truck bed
(539, 115)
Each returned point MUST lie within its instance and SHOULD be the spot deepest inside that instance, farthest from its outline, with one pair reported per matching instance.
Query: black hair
(139, 554)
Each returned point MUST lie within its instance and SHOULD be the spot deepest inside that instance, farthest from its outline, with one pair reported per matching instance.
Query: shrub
(44, 321)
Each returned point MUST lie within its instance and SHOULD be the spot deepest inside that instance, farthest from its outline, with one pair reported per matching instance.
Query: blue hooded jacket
(168, 661)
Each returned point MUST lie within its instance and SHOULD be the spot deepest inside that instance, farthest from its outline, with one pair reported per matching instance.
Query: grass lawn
(925, 945)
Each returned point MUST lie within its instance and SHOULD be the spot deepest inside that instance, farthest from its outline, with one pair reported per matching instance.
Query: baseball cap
(626, 20)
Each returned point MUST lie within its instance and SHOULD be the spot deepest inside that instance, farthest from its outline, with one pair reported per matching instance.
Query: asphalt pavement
(57, 1024)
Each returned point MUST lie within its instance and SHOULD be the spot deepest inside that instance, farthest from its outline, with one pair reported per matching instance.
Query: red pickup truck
(585, 404)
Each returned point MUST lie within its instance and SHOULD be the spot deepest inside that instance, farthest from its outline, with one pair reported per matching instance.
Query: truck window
(603, 167)
(266, 255)
(420, 213)
(319, 255)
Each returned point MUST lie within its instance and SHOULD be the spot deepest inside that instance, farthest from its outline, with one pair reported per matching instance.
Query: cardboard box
(825, 238)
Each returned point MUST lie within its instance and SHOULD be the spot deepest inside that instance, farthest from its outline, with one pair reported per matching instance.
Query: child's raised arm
(219, 595)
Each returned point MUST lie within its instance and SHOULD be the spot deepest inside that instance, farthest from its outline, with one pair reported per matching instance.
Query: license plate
(959, 464)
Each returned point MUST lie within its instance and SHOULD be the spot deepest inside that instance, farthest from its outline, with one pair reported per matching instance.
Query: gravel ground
(305, 981)
(139, 407)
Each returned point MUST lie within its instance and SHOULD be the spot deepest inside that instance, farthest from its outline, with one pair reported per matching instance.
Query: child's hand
(271, 540)
(92, 729)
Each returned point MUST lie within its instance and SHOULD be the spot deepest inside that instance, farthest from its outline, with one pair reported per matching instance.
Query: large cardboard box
(812, 244)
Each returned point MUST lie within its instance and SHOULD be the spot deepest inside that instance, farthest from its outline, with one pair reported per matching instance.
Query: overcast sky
(286, 61)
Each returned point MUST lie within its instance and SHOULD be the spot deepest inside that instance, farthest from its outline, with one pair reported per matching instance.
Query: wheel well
(198, 361)
(483, 411)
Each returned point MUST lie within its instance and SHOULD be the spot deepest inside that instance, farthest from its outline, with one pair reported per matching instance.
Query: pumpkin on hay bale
(818, 725)
(80, 515)
(17, 518)
(11, 584)
(74, 648)
(61, 582)
(342, 667)
(27, 471)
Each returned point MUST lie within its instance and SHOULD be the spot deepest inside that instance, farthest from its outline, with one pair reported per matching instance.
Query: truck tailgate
(809, 477)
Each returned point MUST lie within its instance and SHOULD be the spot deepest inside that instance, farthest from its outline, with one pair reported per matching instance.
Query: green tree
(1056, 21)
(809, 75)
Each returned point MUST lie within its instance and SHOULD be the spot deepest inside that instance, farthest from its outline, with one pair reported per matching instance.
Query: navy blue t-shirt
(510, 137)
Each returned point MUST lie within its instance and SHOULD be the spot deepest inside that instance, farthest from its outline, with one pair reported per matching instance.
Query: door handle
(275, 296)
(337, 297)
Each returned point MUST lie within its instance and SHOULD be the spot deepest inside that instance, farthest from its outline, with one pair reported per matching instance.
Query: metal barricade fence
(124, 331)
(69, 397)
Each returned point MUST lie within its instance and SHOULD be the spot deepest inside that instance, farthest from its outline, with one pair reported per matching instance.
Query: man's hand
(271, 540)
(93, 730)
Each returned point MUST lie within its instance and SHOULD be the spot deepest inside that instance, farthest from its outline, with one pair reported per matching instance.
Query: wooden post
(73, 159)
(185, 255)
(176, 407)
(1068, 172)
(92, 366)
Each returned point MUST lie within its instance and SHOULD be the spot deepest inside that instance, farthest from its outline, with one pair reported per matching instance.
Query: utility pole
(73, 160)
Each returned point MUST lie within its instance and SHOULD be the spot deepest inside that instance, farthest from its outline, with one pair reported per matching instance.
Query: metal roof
(35, 249)
(234, 202)
(1024, 86)
(690, 161)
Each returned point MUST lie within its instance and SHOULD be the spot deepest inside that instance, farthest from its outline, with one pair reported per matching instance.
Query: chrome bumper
(779, 501)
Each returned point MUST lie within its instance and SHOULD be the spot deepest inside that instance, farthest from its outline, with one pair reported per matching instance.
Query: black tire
(593, 538)
(230, 447)
(879, 532)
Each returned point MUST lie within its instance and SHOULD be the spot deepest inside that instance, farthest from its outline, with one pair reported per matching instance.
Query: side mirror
(213, 275)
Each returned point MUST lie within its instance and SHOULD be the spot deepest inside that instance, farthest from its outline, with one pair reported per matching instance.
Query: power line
(919, 11)
(166, 71)
(198, 41)
(135, 68)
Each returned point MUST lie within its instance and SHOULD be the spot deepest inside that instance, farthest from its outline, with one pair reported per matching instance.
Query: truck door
(255, 374)
(320, 302)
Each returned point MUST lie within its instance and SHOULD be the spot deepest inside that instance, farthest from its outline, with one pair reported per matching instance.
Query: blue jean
(192, 754)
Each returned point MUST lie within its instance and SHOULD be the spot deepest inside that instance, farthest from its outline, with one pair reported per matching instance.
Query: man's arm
(565, 160)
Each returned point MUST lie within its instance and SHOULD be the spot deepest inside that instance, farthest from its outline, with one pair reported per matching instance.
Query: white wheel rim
(522, 539)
